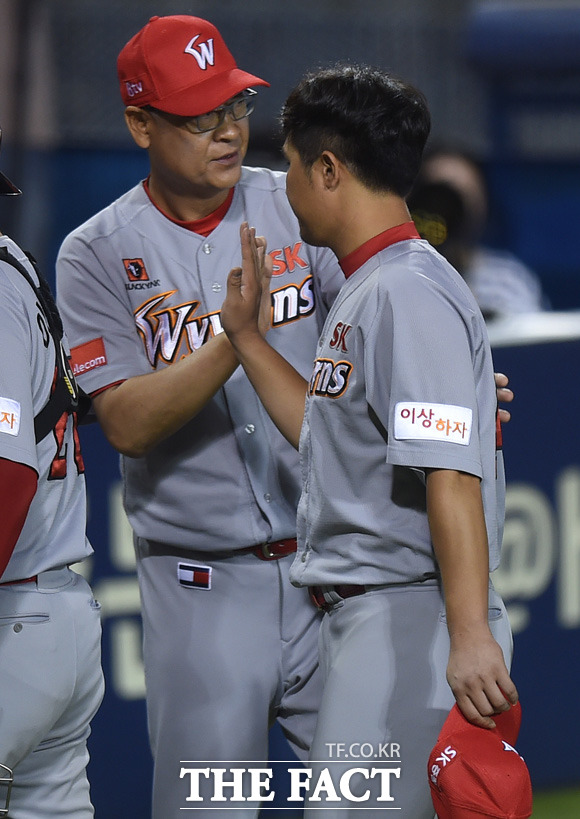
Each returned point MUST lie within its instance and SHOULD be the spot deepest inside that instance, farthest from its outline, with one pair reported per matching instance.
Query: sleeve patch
(416, 421)
(88, 356)
(9, 416)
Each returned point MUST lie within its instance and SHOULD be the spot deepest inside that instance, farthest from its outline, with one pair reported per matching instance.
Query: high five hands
(247, 308)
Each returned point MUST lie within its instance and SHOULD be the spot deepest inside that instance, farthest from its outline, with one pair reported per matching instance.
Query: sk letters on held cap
(180, 65)
(476, 772)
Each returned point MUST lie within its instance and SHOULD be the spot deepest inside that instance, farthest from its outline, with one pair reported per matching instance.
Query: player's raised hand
(245, 318)
(479, 679)
(247, 306)
(265, 266)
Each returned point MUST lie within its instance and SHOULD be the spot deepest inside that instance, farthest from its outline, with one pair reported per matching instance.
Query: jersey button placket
(211, 288)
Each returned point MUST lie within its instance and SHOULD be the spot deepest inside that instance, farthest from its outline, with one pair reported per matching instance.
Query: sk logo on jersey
(286, 259)
(339, 334)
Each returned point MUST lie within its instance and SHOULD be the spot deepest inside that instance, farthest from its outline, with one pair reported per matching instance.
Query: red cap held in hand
(476, 772)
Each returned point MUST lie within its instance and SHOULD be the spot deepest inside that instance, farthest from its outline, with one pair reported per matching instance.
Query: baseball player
(400, 517)
(50, 630)
(210, 485)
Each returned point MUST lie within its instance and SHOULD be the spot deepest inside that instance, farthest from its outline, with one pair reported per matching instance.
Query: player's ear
(138, 122)
(329, 167)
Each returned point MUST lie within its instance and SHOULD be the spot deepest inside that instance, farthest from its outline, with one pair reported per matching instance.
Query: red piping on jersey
(202, 226)
(107, 387)
(362, 254)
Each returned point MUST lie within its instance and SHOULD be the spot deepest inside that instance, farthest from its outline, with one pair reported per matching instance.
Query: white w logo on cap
(204, 55)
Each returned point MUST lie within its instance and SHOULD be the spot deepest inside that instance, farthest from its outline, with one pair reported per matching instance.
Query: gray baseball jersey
(137, 292)
(54, 532)
(403, 381)
(50, 627)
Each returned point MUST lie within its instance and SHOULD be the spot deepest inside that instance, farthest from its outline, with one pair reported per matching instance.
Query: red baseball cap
(476, 772)
(181, 65)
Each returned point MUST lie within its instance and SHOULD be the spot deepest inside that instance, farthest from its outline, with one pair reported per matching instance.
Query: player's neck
(365, 217)
(184, 207)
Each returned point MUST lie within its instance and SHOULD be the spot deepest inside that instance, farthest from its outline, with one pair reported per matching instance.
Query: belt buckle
(267, 553)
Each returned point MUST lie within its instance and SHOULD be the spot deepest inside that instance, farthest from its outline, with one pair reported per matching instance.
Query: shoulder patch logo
(9, 416)
(88, 356)
(135, 269)
(415, 420)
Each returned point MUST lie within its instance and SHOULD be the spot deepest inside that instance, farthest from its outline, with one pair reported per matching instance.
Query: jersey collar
(362, 254)
(202, 226)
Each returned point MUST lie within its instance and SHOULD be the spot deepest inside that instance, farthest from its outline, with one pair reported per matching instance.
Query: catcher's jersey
(403, 380)
(53, 534)
(136, 293)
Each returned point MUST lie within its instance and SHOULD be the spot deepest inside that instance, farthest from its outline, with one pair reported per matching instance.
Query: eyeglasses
(239, 108)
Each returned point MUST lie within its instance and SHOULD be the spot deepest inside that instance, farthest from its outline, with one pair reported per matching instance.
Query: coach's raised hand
(246, 317)
(247, 307)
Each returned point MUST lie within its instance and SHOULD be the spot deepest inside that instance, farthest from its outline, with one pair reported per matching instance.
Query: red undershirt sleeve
(17, 488)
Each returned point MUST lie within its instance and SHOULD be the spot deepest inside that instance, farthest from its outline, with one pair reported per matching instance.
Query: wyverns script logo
(170, 332)
(204, 55)
(329, 378)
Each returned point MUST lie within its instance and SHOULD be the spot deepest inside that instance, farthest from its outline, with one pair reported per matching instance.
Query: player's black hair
(371, 120)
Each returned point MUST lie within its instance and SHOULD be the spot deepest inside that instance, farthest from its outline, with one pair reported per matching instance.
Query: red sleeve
(17, 488)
